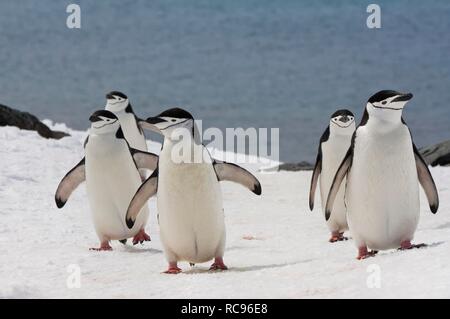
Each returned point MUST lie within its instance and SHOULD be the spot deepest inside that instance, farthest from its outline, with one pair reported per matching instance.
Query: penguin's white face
(116, 101)
(388, 105)
(173, 122)
(343, 121)
(394, 103)
(103, 122)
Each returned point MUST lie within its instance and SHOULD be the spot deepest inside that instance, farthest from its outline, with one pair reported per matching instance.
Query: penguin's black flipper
(69, 183)
(317, 168)
(143, 194)
(427, 182)
(144, 159)
(86, 141)
(337, 181)
(314, 179)
(234, 173)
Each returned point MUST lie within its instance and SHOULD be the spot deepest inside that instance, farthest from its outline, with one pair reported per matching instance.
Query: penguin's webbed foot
(104, 246)
(140, 237)
(335, 237)
(406, 245)
(173, 269)
(363, 253)
(218, 264)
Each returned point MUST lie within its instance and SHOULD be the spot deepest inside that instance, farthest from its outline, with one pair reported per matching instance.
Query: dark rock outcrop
(435, 155)
(294, 167)
(27, 121)
(438, 154)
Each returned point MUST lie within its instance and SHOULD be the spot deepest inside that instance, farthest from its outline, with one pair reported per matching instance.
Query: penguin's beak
(403, 97)
(344, 119)
(94, 118)
(150, 124)
(155, 120)
(109, 96)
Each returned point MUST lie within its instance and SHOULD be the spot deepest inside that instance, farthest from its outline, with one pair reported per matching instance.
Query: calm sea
(234, 63)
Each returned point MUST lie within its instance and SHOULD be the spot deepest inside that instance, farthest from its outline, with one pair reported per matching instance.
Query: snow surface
(276, 248)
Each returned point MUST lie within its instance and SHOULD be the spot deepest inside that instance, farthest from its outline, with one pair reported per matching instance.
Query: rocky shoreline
(434, 155)
(438, 154)
(27, 121)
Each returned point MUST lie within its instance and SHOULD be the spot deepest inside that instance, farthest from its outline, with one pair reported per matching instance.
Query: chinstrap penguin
(189, 198)
(333, 146)
(383, 167)
(110, 169)
(119, 104)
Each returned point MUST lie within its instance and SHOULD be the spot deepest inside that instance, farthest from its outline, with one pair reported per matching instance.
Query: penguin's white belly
(190, 211)
(333, 153)
(382, 191)
(112, 180)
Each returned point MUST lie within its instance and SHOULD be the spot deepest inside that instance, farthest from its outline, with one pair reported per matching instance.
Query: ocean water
(237, 63)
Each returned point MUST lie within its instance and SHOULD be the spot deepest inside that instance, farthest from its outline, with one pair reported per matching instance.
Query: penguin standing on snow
(383, 167)
(110, 169)
(118, 103)
(333, 146)
(188, 193)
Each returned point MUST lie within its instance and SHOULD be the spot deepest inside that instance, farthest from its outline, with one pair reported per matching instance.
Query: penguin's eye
(384, 102)
(173, 120)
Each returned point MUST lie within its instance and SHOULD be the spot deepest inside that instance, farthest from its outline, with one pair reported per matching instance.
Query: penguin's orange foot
(140, 237)
(363, 253)
(103, 247)
(173, 269)
(405, 245)
(335, 237)
(218, 264)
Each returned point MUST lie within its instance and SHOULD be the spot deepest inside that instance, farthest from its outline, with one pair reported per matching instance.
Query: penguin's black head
(171, 119)
(172, 116)
(116, 101)
(116, 95)
(102, 115)
(102, 119)
(386, 106)
(342, 118)
(389, 100)
(176, 113)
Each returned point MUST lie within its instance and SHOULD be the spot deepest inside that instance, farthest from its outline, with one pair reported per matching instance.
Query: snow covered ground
(288, 255)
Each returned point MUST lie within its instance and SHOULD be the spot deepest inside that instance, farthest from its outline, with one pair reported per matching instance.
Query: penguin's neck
(116, 108)
(341, 132)
(102, 144)
(383, 125)
(383, 120)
